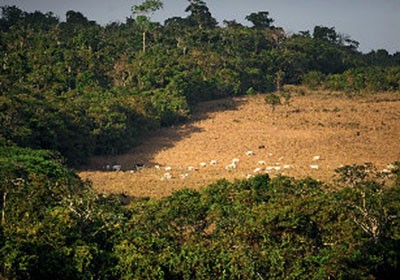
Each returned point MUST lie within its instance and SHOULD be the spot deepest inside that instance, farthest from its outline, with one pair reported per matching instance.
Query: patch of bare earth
(339, 130)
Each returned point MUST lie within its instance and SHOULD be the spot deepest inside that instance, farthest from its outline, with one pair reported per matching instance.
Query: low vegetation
(367, 79)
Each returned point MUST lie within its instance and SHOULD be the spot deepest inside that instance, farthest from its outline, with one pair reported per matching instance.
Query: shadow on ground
(162, 139)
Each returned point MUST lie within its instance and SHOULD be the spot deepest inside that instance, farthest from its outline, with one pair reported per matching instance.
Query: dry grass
(339, 129)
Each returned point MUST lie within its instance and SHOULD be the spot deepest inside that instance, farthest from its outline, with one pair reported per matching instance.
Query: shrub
(53, 225)
(358, 79)
(273, 100)
(313, 79)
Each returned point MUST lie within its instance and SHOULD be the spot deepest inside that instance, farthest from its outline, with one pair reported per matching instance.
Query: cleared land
(337, 129)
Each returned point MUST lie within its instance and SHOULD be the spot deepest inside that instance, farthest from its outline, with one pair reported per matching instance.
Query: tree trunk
(3, 209)
(144, 41)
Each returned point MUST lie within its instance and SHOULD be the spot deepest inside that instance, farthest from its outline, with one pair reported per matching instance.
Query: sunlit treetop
(147, 7)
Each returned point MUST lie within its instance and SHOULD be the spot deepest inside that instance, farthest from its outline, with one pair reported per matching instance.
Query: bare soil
(339, 129)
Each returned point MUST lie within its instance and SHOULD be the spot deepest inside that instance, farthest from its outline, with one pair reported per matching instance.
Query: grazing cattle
(272, 168)
(139, 166)
(235, 160)
(250, 153)
(230, 166)
(191, 168)
(391, 166)
(167, 176)
(116, 167)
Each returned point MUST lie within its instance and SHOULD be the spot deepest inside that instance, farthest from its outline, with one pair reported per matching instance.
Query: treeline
(54, 226)
(82, 89)
(370, 79)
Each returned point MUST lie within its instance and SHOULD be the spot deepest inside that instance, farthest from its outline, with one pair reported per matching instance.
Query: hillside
(178, 102)
(341, 130)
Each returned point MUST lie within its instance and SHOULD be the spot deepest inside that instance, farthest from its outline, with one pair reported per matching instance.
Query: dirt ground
(320, 130)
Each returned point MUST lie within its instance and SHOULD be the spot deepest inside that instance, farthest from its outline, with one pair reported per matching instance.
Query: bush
(313, 79)
(282, 228)
(370, 79)
(261, 228)
(53, 225)
(273, 100)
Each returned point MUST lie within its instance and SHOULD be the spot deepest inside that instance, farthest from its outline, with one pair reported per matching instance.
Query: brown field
(339, 129)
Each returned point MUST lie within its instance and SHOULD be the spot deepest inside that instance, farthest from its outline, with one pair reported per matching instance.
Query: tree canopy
(82, 89)
(260, 19)
(54, 226)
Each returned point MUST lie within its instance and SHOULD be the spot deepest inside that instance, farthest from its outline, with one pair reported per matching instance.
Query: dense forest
(83, 89)
(73, 89)
(54, 226)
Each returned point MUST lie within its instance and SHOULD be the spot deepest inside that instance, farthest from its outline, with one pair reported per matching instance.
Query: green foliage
(250, 91)
(142, 12)
(148, 6)
(53, 225)
(370, 79)
(260, 19)
(200, 15)
(281, 228)
(77, 88)
(325, 34)
(382, 58)
(273, 100)
(313, 79)
(262, 228)
(81, 89)
(168, 107)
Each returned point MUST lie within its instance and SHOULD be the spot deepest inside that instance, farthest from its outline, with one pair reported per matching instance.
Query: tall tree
(143, 13)
(200, 14)
(10, 15)
(324, 33)
(260, 19)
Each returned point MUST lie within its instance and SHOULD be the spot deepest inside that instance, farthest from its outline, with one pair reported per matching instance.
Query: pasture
(312, 135)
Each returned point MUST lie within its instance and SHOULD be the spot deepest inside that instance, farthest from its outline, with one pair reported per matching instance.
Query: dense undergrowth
(54, 226)
(356, 80)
